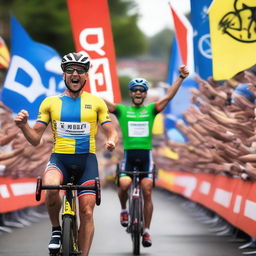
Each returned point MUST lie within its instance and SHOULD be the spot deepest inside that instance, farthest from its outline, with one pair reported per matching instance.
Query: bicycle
(69, 239)
(136, 205)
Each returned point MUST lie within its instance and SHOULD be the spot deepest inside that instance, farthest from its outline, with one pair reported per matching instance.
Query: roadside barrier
(232, 198)
(17, 194)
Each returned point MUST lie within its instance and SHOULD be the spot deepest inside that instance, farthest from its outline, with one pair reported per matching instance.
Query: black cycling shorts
(84, 167)
(140, 158)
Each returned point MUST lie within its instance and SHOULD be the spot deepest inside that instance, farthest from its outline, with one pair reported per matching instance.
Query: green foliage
(46, 21)
(159, 45)
(123, 82)
(128, 38)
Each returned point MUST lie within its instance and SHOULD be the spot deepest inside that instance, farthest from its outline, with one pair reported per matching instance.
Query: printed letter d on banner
(33, 74)
(92, 33)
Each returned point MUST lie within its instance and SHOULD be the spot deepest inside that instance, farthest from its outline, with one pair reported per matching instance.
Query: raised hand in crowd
(220, 130)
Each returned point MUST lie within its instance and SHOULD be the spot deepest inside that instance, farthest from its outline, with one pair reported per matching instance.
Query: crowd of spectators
(219, 128)
(18, 158)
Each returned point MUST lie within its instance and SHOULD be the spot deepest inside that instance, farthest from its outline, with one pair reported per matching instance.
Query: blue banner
(202, 44)
(33, 74)
(181, 101)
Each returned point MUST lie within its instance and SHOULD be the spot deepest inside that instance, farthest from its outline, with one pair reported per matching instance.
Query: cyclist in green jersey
(136, 122)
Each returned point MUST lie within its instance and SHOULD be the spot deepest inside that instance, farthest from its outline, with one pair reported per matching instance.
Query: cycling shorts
(140, 158)
(84, 167)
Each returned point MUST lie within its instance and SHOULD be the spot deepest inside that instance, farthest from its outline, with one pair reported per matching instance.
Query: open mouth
(75, 81)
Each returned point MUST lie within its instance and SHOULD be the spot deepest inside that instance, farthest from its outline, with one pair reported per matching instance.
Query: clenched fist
(22, 118)
(183, 70)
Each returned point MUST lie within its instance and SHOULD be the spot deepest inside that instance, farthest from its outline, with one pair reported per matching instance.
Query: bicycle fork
(136, 199)
(69, 209)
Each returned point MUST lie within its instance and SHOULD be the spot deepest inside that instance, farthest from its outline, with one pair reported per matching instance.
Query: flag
(33, 74)
(201, 37)
(184, 35)
(233, 37)
(92, 33)
(181, 101)
(181, 53)
(4, 54)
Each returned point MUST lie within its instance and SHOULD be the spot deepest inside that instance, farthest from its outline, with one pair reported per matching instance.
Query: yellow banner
(233, 36)
(4, 54)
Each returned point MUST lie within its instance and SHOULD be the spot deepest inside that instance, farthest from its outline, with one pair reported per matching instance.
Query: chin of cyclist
(136, 122)
(74, 116)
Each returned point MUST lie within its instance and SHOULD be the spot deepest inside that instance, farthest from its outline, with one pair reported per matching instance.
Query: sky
(155, 15)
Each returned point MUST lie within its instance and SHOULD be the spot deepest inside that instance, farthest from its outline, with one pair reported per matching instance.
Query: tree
(48, 22)
(129, 40)
(160, 44)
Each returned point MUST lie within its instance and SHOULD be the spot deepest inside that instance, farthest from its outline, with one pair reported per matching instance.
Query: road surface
(175, 231)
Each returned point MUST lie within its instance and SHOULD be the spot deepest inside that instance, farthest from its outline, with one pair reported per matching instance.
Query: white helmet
(77, 58)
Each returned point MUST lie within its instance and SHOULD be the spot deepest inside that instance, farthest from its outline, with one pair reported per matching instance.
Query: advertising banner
(233, 37)
(17, 194)
(92, 33)
(201, 37)
(34, 73)
(231, 198)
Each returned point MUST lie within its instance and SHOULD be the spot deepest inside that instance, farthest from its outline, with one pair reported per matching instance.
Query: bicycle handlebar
(96, 187)
(136, 173)
(67, 187)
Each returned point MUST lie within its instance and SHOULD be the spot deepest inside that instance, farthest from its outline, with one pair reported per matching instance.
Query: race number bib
(138, 129)
(70, 129)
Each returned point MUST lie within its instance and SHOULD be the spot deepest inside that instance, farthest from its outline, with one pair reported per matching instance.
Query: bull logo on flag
(241, 22)
(34, 73)
(233, 36)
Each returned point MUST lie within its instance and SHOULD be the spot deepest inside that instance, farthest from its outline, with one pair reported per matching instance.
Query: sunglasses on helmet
(133, 89)
(72, 70)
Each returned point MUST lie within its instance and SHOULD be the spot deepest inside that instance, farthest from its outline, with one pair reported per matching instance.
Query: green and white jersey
(136, 124)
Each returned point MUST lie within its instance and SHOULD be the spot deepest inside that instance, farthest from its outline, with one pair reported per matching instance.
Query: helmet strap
(136, 104)
(74, 91)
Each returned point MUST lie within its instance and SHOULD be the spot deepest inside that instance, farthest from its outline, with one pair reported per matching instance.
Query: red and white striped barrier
(232, 198)
(17, 194)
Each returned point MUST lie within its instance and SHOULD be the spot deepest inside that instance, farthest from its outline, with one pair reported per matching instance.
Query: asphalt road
(175, 231)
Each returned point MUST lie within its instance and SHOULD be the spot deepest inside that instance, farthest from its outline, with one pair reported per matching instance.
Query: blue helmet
(139, 82)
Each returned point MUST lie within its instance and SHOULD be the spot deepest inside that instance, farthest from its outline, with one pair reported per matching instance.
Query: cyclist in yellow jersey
(136, 122)
(74, 116)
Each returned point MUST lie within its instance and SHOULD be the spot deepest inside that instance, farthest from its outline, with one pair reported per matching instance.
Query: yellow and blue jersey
(74, 121)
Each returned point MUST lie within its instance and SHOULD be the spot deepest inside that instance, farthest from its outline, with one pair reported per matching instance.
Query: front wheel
(136, 228)
(67, 236)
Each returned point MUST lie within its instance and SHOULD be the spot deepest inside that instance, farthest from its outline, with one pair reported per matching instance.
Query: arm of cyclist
(33, 135)
(111, 106)
(111, 135)
(162, 103)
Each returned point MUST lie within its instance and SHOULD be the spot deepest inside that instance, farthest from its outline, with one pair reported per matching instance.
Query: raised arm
(162, 103)
(33, 135)
(111, 106)
(5, 139)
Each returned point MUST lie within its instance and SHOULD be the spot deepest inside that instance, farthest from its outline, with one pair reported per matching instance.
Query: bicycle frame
(136, 206)
(69, 241)
(136, 213)
(69, 223)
